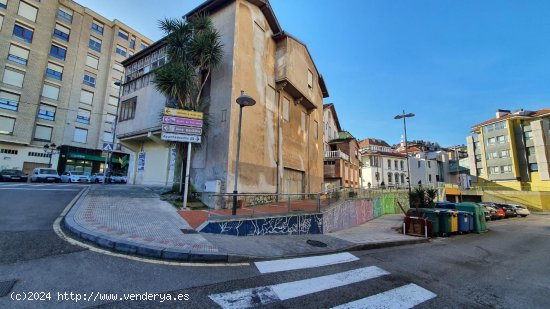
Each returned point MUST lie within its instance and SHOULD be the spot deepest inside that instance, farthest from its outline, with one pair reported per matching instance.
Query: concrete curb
(123, 246)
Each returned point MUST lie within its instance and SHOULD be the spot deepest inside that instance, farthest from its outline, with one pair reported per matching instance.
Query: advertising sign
(141, 161)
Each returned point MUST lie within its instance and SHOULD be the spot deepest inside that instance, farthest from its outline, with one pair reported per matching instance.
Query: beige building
(282, 135)
(59, 62)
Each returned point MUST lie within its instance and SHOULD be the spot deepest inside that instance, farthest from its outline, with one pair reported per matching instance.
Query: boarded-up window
(80, 135)
(50, 91)
(86, 96)
(27, 11)
(270, 98)
(92, 61)
(43, 133)
(14, 78)
(286, 107)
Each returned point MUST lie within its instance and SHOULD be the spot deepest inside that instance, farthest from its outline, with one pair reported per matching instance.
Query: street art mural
(291, 225)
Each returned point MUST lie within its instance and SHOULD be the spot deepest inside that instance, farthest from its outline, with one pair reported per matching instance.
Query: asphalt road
(507, 267)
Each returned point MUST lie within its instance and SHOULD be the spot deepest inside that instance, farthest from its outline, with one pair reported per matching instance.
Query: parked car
(74, 176)
(44, 174)
(500, 210)
(97, 177)
(509, 210)
(13, 175)
(119, 178)
(521, 210)
(493, 212)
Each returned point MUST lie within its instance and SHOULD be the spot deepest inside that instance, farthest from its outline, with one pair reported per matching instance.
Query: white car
(74, 176)
(97, 178)
(119, 178)
(521, 210)
(43, 174)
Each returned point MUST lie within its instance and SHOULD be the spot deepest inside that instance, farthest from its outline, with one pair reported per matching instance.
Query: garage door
(29, 166)
(293, 181)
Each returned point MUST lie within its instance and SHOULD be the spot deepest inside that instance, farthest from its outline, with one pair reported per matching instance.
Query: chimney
(502, 112)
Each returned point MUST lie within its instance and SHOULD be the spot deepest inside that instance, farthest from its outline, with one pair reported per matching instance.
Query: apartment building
(282, 135)
(512, 150)
(381, 165)
(60, 70)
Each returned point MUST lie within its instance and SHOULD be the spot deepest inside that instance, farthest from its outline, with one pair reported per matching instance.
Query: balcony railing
(336, 154)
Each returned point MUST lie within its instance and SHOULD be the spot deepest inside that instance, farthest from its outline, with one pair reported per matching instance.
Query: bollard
(404, 229)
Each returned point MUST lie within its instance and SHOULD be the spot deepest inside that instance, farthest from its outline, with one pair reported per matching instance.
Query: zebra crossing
(405, 296)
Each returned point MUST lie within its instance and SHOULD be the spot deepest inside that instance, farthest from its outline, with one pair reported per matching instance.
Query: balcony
(337, 154)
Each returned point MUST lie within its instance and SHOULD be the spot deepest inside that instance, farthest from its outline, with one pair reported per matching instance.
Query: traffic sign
(108, 147)
(171, 128)
(182, 113)
(182, 121)
(180, 137)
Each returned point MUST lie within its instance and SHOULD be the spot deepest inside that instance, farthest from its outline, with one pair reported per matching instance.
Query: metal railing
(336, 154)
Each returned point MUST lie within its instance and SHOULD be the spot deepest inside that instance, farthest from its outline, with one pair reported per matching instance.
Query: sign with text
(182, 113)
(172, 128)
(180, 137)
(182, 121)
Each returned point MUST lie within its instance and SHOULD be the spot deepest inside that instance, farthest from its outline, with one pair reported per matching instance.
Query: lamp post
(404, 116)
(113, 128)
(50, 150)
(243, 100)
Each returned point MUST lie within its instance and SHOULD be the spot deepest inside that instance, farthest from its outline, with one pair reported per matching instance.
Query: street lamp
(117, 83)
(243, 100)
(50, 150)
(404, 116)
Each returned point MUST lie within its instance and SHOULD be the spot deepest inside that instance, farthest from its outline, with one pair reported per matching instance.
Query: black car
(13, 175)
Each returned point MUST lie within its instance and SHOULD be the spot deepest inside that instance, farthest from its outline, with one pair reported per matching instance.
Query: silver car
(74, 176)
(521, 210)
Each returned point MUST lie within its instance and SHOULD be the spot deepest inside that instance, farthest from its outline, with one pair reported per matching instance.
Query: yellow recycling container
(454, 221)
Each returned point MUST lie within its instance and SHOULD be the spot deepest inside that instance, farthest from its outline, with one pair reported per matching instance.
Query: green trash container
(445, 222)
(478, 215)
(433, 216)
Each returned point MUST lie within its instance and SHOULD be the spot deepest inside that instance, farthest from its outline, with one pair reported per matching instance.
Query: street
(507, 267)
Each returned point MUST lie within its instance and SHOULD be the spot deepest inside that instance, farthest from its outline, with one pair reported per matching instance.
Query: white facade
(424, 171)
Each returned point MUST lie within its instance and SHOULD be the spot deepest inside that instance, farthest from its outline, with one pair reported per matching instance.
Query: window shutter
(62, 29)
(43, 133)
(19, 52)
(6, 125)
(13, 78)
(55, 67)
(27, 11)
(86, 97)
(51, 92)
(92, 61)
(9, 96)
(48, 108)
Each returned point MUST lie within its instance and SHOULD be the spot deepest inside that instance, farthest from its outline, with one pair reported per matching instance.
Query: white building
(382, 166)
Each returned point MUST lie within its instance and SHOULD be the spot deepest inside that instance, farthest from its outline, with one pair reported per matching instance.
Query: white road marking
(40, 189)
(305, 262)
(268, 294)
(403, 297)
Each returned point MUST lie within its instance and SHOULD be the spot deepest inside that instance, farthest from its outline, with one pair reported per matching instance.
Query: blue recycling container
(464, 220)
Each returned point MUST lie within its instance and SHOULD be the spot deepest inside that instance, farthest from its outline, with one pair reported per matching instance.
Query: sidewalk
(133, 220)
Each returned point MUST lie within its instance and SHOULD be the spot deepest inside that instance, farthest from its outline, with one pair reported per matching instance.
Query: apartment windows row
(428, 163)
(146, 64)
(495, 126)
(397, 178)
(501, 139)
(42, 133)
(504, 169)
(498, 154)
(397, 164)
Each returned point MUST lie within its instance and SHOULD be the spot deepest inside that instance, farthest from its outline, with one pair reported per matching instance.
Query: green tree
(194, 50)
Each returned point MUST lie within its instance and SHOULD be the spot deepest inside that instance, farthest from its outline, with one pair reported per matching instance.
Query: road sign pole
(105, 169)
(187, 175)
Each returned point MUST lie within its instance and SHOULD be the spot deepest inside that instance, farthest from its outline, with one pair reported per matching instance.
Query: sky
(451, 63)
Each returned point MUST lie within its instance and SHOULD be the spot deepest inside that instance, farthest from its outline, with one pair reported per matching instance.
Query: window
(389, 178)
(492, 155)
(94, 44)
(80, 135)
(429, 177)
(83, 116)
(50, 92)
(113, 100)
(142, 46)
(533, 167)
(315, 129)
(121, 50)
(65, 14)
(9, 100)
(429, 164)
(54, 71)
(92, 61)
(528, 135)
(128, 109)
(28, 11)
(9, 151)
(133, 43)
(491, 141)
(89, 79)
(507, 169)
(500, 125)
(86, 96)
(505, 153)
(18, 55)
(97, 27)
(23, 33)
(389, 164)
(1, 20)
(6, 125)
(43, 133)
(402, 168)
(61, 32)
(309, 79)
(58, 52)
(396, 164)
(479, 171)
(418, 164)
(303, 121)
(123, 34)
(118, 67)
(13, 77)
(478, 158)
(402, 178)
(108, 137)
(286, 107)
(530, 151)
(3, 4)
(501, 139)
(46, 112)
(476, 145)
(494, 170)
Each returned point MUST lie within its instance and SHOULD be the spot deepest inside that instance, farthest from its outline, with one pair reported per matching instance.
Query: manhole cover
(316, 243)
(5, 287)
(188, 231)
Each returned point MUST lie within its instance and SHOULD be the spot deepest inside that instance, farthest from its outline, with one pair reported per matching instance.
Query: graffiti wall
(291, 225)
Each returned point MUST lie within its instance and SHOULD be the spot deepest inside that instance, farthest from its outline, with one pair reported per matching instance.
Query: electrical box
(214, 186)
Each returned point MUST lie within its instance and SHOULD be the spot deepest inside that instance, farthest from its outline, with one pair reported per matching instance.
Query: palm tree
(194, 50)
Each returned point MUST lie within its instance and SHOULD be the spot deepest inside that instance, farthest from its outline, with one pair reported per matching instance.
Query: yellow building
(509, 155)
